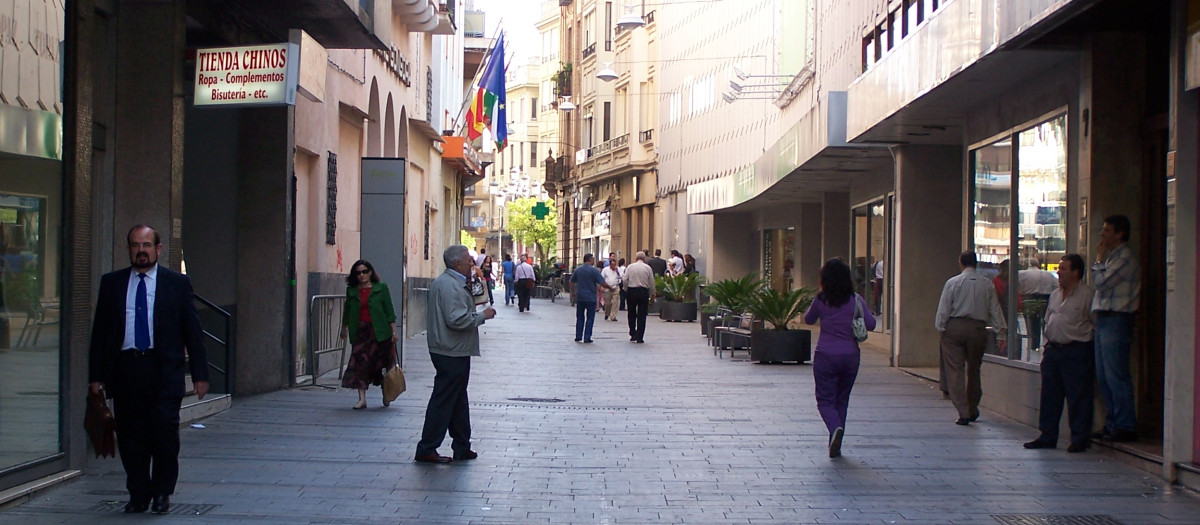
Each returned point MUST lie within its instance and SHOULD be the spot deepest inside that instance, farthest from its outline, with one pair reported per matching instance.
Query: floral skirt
(368, 359)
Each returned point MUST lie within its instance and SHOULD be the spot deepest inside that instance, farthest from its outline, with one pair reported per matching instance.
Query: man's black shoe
(136, 507)
(975, 417)
(465, 456)
(161, 505)
(633, 339)
(962, 421)
(1124, 436)
(578, 339)
(1101, 434)
(1077, 447)
(587, 340)
(433, 458)
(1038, 443)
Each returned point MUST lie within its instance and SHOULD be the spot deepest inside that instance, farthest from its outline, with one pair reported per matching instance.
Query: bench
(734, 333)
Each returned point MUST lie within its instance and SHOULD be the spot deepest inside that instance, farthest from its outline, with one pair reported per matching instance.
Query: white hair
(453, 254)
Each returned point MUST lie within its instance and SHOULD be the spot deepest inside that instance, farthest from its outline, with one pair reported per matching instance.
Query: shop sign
(247, 76)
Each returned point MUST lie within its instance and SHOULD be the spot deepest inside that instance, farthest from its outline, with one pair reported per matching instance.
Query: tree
(526, 228)
(465, 239)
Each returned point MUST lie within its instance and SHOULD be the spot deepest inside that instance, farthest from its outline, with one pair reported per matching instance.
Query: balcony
(341, 24)
(421, 16)
(646, 136)
(589, 50)
(608, 159)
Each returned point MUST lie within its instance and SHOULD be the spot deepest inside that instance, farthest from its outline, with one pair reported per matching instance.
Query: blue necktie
(141, 317)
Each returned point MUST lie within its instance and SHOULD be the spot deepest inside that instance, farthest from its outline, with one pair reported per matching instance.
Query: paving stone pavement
(663, 432)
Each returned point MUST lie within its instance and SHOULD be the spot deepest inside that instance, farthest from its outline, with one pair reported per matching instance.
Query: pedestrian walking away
(1068, 361)
(1116, 278)
(452, 333)
(621, 267)
(837, 356)
(639, 284)
(612, 277)
(657, 263)
(506, 268)
(525, 281)
(145, 336)
(968, 302)
(368, 308)
(588, 282)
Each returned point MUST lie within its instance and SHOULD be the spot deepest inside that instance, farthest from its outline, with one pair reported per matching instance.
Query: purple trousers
(834, 375)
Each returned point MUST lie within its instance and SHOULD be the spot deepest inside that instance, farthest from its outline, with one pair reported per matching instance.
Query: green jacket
(380, 305)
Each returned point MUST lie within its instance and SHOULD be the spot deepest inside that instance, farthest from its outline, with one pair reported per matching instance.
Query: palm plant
(678, 288)
(780, 308)
(734, 294)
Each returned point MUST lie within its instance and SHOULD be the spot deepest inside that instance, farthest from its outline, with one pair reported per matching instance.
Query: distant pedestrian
(510, 292)
(368, 308)
(689, 264)
(145, 320)
(1068, 364)
(588, 281)
(1035, 286)
(480, 257)
(489, 280)
(837, 356)
(621, 267)
(1118, 283)
(968, 302)
(525, 281)
(612, 277)
(657, 264)
(639, 285)
(675, 265)
(452, 334)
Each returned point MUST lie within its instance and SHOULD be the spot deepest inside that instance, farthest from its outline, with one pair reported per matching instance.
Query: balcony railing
(589, 50)
(609, 146)
(646, 136)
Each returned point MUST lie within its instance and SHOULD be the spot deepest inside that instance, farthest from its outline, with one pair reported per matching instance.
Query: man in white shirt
(612, 277)
(1035, 286)
(676, 263)
(968, 302)
(525, 279)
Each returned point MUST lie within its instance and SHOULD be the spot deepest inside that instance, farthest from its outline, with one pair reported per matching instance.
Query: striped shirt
(1117, 281)
(970, 295)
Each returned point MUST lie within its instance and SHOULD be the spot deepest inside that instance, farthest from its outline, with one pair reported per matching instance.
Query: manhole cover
(177, 509)
(1054, 519)
(536, 399)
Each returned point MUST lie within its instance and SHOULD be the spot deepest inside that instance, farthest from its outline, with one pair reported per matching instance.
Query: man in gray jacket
(452, 330)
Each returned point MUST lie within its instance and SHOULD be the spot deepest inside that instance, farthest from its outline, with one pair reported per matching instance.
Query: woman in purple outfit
(835, 361)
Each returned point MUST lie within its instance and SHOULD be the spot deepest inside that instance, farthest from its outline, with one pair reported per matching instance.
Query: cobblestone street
(615, 432)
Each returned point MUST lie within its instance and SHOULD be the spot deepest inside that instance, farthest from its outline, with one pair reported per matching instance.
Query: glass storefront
(871, 247)
(1020, 251)
(779, 258)
(31, 180)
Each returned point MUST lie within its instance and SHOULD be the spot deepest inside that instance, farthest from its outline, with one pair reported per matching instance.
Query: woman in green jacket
(369, 308)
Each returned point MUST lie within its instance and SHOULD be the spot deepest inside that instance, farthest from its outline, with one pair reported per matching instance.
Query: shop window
(1021, 250)
(779, 258)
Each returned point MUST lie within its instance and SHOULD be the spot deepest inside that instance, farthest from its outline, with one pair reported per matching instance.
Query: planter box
(673, 311)
(705, 320)
(655, 307)
(768, 346)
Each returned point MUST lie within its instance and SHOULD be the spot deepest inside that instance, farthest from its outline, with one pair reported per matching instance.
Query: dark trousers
(833, 377)
(447, 410)
(637, 301)
(585, 318)
(1067, 372)
(622, 298)
(147, 426)
(962, 344)
(523, 292)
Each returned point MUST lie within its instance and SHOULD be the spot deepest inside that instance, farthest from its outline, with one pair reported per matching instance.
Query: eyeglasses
(363, 272)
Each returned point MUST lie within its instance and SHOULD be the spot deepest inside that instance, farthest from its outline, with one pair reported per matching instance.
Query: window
(607, 121)
(608, 24)
(533, 154)
(533, 109)
(1021, 249)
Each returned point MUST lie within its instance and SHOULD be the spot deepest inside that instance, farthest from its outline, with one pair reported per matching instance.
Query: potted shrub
(707, 310)
(777, 309)
(679, 296)
(733, 293)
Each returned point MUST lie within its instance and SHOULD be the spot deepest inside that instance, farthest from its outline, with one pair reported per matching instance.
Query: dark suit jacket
(176, 327)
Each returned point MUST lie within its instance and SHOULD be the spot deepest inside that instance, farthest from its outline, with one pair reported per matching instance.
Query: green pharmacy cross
(540, 210)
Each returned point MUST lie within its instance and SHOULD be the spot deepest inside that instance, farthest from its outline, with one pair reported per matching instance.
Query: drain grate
(177, 509)
(1054, 519)
(536, 399)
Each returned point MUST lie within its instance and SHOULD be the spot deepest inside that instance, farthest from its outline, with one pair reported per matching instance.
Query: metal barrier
(324, 330)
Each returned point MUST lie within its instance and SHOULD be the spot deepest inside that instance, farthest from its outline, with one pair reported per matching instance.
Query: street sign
(540, 210)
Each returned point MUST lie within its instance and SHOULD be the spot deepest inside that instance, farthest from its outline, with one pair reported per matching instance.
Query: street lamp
(566, 104)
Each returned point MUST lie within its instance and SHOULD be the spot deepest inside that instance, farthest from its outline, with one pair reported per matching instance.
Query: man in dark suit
(657, 263)
(145, 336)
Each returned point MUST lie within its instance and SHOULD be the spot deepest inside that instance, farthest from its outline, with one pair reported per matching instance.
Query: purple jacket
(837, 337)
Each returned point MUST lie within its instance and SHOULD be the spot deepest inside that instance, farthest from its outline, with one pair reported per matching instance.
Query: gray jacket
(452, 325)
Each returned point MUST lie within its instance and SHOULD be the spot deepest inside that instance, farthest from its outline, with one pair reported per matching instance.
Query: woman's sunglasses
(363, 272)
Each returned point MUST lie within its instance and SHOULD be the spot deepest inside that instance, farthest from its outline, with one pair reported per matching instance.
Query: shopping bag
(393, 384)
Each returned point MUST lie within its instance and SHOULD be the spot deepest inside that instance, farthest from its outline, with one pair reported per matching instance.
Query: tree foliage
(526, 228)
(465, 239)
